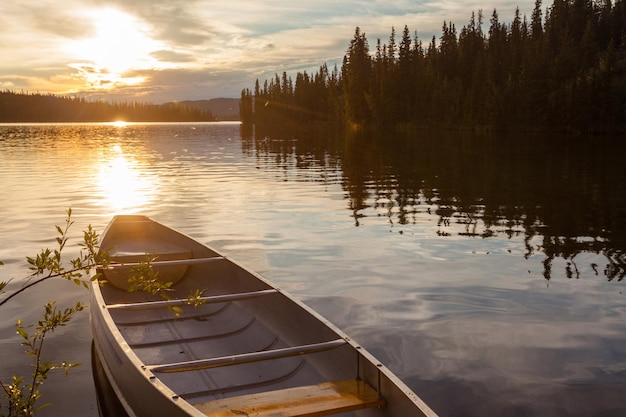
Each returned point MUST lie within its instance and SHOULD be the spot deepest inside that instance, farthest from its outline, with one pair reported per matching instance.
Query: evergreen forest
(35, 107)
(564, 68)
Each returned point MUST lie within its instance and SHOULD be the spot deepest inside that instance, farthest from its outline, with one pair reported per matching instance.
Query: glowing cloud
(119, 43)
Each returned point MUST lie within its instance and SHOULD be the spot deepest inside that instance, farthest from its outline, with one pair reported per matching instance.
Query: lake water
(485, 271)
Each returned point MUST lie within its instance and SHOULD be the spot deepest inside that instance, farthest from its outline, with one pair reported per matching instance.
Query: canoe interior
(215, 351)
(213, 330)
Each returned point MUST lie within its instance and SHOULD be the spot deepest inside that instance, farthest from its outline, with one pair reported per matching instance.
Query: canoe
(249, 348)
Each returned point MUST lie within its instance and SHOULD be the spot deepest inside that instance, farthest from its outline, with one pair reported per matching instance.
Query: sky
(172, 50)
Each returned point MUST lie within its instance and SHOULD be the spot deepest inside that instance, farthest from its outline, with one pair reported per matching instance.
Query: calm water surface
(487, 272)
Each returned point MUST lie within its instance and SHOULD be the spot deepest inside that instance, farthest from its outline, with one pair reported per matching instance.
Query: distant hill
(221, 108)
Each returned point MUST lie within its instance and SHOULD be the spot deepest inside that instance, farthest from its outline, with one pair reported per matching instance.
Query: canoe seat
(136, 250)
(309, 401)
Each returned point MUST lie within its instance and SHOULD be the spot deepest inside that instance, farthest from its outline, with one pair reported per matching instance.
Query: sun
(117, 43)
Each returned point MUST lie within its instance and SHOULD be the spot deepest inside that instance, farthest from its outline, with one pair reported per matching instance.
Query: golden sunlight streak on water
(123, 184)
(118, 123)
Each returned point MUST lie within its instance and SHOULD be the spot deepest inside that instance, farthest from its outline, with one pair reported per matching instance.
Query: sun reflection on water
(124, 184)
(118, 123)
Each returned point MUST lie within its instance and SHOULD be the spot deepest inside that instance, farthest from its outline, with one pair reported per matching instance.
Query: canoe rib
(308, 401)
(199, 364)
(248, 385)
(175, 341)
(183, 301)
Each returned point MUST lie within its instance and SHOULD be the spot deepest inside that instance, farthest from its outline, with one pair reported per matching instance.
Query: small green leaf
(177, 310)
(44, 406)
(22, 332)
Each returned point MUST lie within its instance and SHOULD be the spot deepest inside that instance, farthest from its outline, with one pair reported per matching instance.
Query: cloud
(199, 48)
(92, 77)
(175, 22)
(172, 56)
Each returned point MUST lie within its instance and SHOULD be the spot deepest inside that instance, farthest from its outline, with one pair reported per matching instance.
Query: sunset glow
(119, 44)
(166, 51)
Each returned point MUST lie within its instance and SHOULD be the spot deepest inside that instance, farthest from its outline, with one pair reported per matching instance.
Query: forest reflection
(563, 195)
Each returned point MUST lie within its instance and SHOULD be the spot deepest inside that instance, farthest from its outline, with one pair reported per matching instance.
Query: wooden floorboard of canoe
(310, 401)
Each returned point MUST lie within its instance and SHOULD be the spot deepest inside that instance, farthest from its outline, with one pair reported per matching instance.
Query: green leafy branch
(19, 396)
(23, 397)
(143, 277)
(48, 263)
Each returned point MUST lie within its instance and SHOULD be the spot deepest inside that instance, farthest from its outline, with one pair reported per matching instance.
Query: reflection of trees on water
(317, 151)
(562, 195)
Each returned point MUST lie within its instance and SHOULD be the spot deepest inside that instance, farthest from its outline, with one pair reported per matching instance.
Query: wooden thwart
(311, 401)
(145, 305)
(264, 355)
(174, 262)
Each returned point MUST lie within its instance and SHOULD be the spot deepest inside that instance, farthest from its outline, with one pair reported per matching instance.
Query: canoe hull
(248, 339)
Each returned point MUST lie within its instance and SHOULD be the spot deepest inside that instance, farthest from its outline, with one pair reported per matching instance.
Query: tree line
(565, 71)
(35, 107)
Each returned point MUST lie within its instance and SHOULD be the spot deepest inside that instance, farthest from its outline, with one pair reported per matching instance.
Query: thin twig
(24, 288)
